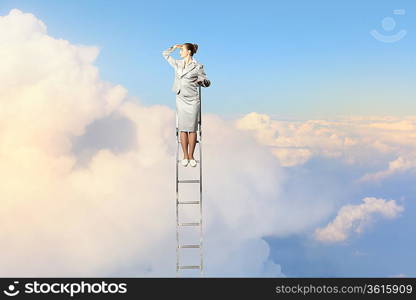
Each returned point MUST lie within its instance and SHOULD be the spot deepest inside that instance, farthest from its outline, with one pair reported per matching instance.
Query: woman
(189, 74)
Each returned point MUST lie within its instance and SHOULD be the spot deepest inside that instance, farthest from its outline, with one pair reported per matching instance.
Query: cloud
(401, 164)
(354, 140)
(354, 218)
(88, 173)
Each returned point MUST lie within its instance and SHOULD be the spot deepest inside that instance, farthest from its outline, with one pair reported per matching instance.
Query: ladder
(181, 204)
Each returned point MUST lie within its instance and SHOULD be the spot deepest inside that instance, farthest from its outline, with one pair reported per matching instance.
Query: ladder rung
(189, 224)
(189, 267)
(189, 246)
(189, 181)
(188, 202)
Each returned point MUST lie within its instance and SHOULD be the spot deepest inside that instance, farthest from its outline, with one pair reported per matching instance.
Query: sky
(289, 58)
(309, 119)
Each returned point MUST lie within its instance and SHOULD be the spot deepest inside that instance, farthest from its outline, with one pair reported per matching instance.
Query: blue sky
(287, 58)
(300, 59)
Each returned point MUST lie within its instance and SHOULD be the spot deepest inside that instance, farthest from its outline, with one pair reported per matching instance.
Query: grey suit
(185, 86)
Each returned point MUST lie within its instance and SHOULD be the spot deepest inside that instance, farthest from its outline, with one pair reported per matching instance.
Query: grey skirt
(187, 112)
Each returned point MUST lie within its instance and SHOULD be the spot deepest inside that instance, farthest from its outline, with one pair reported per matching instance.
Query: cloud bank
(352, 139)
(88, 175)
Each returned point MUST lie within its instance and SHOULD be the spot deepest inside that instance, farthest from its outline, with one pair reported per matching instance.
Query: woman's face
(184, 52)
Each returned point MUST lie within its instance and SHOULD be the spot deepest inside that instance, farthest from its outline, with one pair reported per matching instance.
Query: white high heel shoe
(184, 162)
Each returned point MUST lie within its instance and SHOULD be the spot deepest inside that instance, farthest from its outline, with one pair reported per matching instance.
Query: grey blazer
(189, 78)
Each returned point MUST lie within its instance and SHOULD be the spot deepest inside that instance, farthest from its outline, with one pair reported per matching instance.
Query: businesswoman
(189, 74)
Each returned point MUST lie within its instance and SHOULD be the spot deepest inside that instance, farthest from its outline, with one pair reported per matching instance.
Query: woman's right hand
(177, 46)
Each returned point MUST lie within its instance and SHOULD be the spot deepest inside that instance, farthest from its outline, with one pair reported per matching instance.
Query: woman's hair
(192, 47)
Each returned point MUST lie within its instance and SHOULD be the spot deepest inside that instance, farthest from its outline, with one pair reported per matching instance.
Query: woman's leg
(184, 143)
(192, 142)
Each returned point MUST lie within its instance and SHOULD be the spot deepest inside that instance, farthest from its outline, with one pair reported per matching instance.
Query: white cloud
(401, 164)
(354, 218)
(72, 208)
(356, 140)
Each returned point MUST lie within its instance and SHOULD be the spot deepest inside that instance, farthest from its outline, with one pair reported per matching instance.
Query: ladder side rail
(200, 182)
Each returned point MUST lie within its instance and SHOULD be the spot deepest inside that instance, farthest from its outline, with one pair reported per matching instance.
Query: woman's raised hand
(177, 46)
